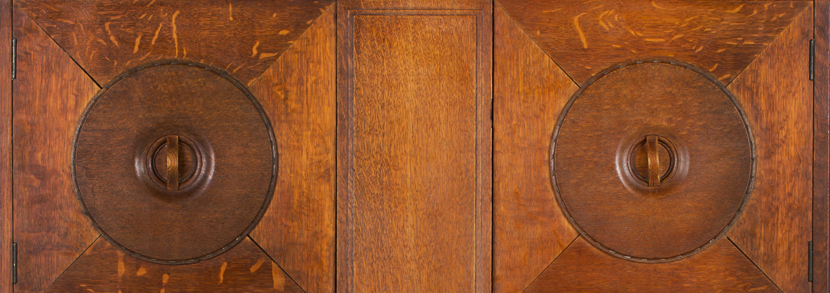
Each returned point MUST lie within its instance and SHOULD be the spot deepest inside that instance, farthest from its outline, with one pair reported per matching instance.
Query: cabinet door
(172, 146)
(660, 146)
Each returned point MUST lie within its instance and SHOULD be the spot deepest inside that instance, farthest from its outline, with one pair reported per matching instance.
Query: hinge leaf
(810, 261)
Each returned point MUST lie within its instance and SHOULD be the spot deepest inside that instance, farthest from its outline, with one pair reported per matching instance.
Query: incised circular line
(561, 119)
(253, 100)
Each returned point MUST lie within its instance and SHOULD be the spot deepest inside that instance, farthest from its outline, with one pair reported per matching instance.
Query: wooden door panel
(776, 222)
(54, 89)
(297, 92)
(108, 37)
(529, 228)
(50, 93)
(414, 147)
(759, 49)
(105, 268)
(585, 37)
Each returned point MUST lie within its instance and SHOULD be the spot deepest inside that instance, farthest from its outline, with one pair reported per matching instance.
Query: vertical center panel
(414, 141)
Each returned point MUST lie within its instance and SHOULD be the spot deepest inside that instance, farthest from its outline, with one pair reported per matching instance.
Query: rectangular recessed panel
(414, 161)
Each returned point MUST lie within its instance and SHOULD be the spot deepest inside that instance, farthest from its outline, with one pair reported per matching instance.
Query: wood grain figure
(414, 141)
(297, 92)
(415, 146)
(50, 93)
(108, 37)
(530, 90)
(104, 268)
(776, 223)
(585, 37)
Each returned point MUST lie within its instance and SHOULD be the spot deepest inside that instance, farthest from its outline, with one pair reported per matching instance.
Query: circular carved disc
(702, 151)
(202, 123)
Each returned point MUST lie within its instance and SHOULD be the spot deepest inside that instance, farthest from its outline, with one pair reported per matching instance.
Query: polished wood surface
(5, 147)
(104, 268)
(390, 116)
(821, 147)
(778, 100)
(720, 268)
(50, 93)
(529, 230)
(108, 37)
(709, 140)
(297, 93)
(413, 149)
(212, 114)
(585, 37)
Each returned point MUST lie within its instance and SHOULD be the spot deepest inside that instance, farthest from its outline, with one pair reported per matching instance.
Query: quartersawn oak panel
(5, 146)
(298, 94)
(530, 91)
(821, 146)
(413, 150)
(50, 94)
(104, 268)
(720, 268)
(776, 95)
(108, 37)
(585, 37)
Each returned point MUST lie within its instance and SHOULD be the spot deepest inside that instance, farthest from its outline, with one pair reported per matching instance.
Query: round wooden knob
(652, 160)
(173, 162)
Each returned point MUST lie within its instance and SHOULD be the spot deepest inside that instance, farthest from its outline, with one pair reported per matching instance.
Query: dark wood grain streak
(108, 37)
(720, 268)
(414, 141)
(414, 4)
(5, 147)
(530, 91)
(298, 93)
(777, 97)
(585, 37)
(104, 268)
(821, 146)
(50, 93)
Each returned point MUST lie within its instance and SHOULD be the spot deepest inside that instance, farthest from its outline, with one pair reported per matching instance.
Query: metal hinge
(14, 59)
(14, 262)
(812, 59)
(809, 261)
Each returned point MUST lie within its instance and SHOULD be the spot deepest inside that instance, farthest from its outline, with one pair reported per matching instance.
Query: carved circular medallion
(174, 162)
(652, 160)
